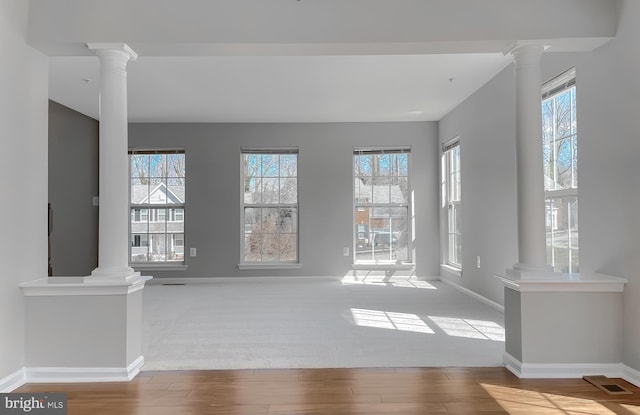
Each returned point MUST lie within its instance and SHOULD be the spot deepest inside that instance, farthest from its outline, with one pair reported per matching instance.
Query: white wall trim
(631, 375)
(560, 370)
(473, 294)
(83, 374)
(13, 381)
(214, 280)
(68, 286)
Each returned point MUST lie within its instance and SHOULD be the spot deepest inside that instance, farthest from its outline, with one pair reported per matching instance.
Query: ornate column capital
(115, 49)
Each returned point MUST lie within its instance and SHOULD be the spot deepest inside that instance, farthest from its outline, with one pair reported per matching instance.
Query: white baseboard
(631, 375)
(13, 381)
(473, 294)
(560, 370)
(83, 374)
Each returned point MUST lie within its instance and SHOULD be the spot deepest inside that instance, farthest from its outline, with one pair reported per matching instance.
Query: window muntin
(452, 198)
(560, 161)
(157, 203)
(270, 206)
(381, 206)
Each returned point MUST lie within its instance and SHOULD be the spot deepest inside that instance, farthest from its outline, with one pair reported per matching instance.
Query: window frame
(452, 201)
(149, 213)
(358, 205)
(561, 84)
(269, 264)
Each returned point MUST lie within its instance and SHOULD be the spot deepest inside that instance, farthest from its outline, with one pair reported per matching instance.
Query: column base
(110, 275)
(527, 271)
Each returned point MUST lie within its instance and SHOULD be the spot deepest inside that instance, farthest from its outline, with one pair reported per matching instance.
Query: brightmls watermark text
(33, 403)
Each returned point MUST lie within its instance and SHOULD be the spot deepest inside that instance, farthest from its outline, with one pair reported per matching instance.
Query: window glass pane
(139, 190)
(288, 165)
(288, 190)
(363, 192)
(363, 165)
(269, 251)
(288, 247)
(270, 190)
(270, 166)
(288, 220)
(175, 166)
(381, 192)
(563, 114)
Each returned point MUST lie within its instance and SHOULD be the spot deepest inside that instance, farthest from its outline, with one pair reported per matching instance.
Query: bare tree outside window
(560, 158)
(270, 212)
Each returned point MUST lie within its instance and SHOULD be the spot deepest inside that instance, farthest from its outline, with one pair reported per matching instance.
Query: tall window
(157, 205)
(381, 200)
(270, 206)
(560, 157)
(451, 198)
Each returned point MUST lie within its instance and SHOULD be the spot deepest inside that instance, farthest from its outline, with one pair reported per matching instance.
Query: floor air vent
(608, 385)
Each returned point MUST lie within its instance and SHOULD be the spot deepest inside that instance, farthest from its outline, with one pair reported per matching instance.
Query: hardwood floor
(340, 392)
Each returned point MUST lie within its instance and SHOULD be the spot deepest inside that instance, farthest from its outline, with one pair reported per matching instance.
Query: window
(560, 158)
(157, 204)
(451, 198)
(381, 205)
(270, 206)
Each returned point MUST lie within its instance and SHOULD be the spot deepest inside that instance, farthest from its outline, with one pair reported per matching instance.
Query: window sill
(270, 266)
(159, 267)
(382, 265)
(451, 270)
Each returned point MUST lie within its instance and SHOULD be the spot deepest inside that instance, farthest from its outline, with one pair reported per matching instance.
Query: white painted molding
(474, 294)
(67, 286)
(631, 375)
(83, 374)
(558, 282)
(297, 265)
(453, 271)
(13, 381)
(560, 370)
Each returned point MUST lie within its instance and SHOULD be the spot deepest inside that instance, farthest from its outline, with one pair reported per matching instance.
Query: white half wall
(23, 211)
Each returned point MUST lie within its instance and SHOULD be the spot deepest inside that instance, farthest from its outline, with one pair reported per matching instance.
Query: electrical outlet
(192, 251)
(345, 251)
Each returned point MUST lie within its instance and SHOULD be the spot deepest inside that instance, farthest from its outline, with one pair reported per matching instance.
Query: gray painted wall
(325, 189)
(23, 207)
(73, 181)
(485, 123)
(609, 190)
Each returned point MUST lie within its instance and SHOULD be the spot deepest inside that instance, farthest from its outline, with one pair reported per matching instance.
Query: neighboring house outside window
(381, 205)
(270, 206)
(560, 158)
(157, 204)
(451, 201)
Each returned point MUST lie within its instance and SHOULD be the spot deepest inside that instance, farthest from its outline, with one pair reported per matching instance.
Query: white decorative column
(549, 316)
(90, 329)
(531, 209)
(113, 242)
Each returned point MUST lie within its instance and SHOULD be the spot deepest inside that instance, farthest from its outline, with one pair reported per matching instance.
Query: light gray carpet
(317, 323)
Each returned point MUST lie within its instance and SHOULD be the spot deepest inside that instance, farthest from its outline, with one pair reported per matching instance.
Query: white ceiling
(282, 88)
(301, 61)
